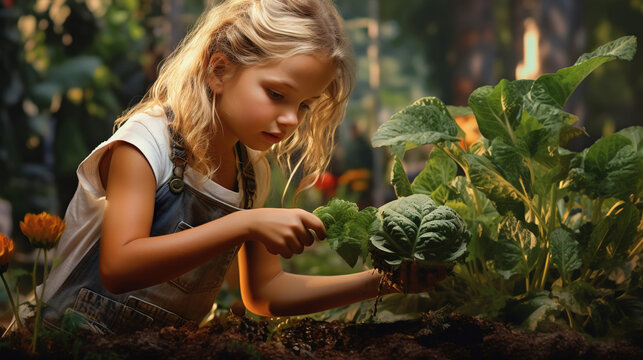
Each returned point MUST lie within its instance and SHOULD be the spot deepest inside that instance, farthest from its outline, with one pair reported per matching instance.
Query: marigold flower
(42, 230)
(6, 251)
(354, 175)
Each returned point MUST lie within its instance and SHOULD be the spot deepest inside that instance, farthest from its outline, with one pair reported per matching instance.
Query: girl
(157, 216)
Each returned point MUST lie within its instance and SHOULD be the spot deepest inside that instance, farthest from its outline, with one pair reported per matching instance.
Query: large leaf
(555, 89)
(564, 253)
(486, 177)
(426, 121)
(415, 229)
(440, 169)
(611, 167)
(516, 251)
(498, 109)
(635, 134)
(511, 160)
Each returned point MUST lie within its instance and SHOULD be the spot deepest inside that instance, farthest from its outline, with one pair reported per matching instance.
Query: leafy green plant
(409, 230)
(555, 234)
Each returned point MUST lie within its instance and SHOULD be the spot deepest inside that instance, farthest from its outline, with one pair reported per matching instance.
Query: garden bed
(433, 336)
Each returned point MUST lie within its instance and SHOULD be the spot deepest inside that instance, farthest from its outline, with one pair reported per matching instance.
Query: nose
(288, 118)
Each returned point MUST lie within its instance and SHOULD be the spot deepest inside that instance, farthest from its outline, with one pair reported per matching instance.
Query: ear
(219, 68)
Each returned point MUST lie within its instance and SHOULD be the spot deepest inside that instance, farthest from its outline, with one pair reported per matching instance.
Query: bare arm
(269, 291)
(130, 259)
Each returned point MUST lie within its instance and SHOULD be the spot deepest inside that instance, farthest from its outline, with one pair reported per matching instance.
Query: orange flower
(354, 175)
(42, 230)
(6, 251)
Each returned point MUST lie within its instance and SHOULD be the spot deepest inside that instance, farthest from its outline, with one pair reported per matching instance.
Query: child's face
(262, 105)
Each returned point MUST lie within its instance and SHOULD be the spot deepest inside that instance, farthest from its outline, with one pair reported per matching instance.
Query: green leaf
(555, 89)
(486, 177)
(415, 229)
(511, 161)
(622, 238)
(441, 194)
(611, 167)
(635, 134)
(426, 121)
(498, 109)
(76, 72)
(481, 217)
(400, 180)
(44, 92)
(578, 296)
(531, 310)
(564, 253)
(347, 229)
(440, 169)
(459, 110)
(516, 250)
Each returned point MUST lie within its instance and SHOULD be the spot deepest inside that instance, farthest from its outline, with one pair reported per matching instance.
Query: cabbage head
(415, 229)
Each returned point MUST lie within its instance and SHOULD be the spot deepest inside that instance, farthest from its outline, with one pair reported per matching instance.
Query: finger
(313, 235)
(312, 222)
(295, 244)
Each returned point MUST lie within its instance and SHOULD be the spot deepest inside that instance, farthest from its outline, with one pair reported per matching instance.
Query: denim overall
(190, 296)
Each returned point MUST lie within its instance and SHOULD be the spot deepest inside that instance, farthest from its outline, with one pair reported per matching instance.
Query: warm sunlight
(529, 67)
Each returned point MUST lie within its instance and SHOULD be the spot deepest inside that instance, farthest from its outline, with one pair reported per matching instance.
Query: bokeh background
(68, 68)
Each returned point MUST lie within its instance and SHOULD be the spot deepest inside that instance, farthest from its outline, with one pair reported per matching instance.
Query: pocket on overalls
(205, 277)
(105, 314)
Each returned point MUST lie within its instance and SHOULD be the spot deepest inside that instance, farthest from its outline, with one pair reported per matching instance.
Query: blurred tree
(74, 66)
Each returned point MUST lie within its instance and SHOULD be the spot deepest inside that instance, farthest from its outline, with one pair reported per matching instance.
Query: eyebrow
(288, 84)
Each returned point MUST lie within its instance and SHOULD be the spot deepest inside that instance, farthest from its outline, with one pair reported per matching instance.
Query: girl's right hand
(282, 231)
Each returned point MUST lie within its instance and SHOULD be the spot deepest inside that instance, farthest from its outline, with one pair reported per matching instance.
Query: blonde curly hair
(254, 32)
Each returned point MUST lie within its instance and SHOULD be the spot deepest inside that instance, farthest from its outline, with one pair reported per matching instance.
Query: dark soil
(434, 336)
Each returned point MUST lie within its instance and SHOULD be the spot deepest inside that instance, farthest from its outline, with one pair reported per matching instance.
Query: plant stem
(596, 210)
(36, 323)
(545, 270)
(541, 222)
(553, 209)
(569, 318)
(637, 247)
(16, 313)
(527, 283)
(44, 276)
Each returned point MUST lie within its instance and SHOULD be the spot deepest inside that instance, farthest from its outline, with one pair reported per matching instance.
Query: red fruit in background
(326, 181)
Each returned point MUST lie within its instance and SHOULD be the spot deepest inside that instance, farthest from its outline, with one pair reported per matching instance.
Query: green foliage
(415, 229)
(347, 228)
(554, 233)
(73, 69)
(409, 229)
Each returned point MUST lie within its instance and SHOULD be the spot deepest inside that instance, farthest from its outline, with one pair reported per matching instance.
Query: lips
(272, 137)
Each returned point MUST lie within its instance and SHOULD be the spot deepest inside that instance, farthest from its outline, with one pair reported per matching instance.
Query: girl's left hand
(411, 281)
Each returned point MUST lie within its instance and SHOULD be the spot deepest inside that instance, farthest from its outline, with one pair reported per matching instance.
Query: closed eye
(274, 95)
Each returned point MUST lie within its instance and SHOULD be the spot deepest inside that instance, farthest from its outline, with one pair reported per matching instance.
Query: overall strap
(178, 156)
(244, 167)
